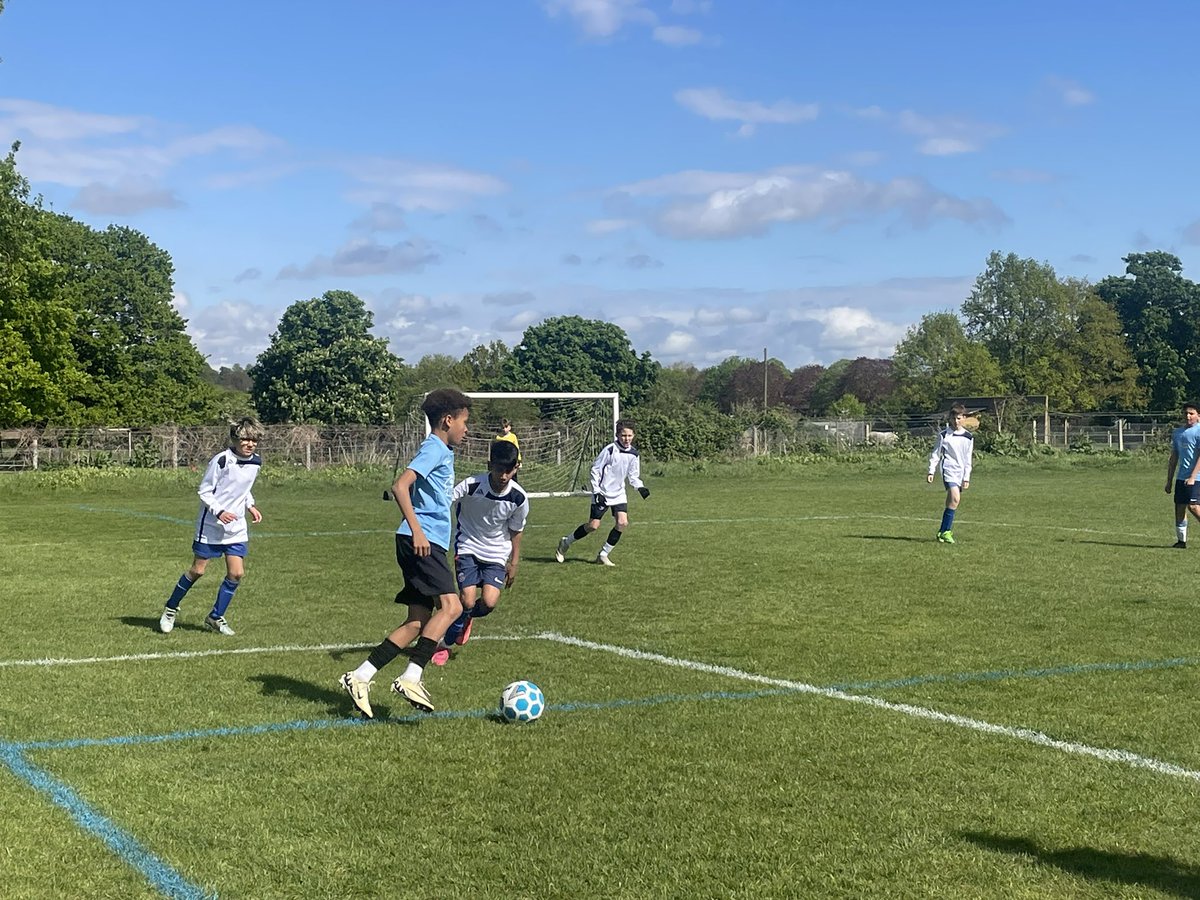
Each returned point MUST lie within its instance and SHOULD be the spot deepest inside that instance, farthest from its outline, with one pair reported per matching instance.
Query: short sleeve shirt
(431, 492)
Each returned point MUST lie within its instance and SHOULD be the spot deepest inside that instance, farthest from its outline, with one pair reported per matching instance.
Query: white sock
(606, 549)
(365, 672)
(568, 540)
(1181, 531)
(413, 672)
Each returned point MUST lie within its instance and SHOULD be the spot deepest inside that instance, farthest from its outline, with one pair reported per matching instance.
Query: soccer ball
(522, 701)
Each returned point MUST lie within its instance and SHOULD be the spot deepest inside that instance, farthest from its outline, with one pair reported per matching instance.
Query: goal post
(560, 434)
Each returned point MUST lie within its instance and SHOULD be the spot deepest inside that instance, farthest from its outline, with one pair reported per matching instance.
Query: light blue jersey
(1186, 444)
(432, 491)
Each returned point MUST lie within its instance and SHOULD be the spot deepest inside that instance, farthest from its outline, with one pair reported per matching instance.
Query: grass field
(785, 689)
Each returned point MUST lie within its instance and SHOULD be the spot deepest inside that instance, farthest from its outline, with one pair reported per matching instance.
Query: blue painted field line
(322, 724)
(164, 879)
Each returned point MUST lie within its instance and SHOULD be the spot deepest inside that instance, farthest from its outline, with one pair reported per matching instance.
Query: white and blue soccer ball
(522, 701)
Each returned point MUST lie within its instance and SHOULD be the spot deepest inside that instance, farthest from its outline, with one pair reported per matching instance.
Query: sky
(717, 177)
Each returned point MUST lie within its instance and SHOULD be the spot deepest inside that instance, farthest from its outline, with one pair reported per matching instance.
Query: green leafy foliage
(570, 353)
(324, 366)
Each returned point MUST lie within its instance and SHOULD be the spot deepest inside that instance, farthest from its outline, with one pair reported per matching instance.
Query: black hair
(444, 402)
(504, 454)
(625, 423)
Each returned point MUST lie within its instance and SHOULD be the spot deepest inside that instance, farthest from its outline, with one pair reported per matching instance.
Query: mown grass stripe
(1022, 734)
(166, 880)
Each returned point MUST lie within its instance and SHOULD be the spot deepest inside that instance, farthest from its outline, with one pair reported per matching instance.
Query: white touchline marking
(1022, 734)
(226, 651)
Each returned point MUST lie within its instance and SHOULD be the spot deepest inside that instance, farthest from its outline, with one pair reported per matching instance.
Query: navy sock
(947, 520)
(480, 609)
(224, 596)
(181, 588)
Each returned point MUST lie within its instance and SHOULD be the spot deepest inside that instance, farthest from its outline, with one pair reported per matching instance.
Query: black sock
(383, 654)
(580, 532)
(424, 650)
(613, 537)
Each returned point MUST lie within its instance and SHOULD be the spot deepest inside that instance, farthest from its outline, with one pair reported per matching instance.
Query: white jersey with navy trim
(953, 449)
(613, 467)
(226, 487)
(485, 520)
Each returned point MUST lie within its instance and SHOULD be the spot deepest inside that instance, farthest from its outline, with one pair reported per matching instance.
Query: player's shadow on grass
(895, 537)
(1122, 544)
(152, 624)
(1161, 873)
(335, 701)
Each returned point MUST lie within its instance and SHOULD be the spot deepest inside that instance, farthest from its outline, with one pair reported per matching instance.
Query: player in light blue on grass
(953, 453)
(226, 500)
(1182, 469)
(423, 492)
(490, 511)
(617, 463)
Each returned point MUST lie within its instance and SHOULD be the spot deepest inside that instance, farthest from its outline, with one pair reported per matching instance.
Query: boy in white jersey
(490, 511)
(226, 499)
(953, 451)
(616, 464)
(1182, 469)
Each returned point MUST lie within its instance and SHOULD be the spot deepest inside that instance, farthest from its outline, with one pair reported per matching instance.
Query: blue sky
(714, 176)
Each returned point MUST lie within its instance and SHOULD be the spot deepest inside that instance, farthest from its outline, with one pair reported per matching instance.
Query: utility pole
(764, 379)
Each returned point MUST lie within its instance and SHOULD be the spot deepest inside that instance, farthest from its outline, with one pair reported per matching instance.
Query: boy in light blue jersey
(953, 450)
(1182, 469)
(423, 492)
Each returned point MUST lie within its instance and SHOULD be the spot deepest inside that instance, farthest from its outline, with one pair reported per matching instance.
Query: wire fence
(314, 447)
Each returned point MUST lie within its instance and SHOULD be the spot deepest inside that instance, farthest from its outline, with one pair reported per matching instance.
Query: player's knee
(452, 604)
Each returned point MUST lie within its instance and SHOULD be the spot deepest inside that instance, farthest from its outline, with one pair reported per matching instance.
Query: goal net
(560, 435)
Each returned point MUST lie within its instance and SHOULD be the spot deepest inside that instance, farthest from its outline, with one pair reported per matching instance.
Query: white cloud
(1070, 93)
(360, 257)
(1025, 176)
(718, 205)
(407, 185)
(609, 226)
(123, 199)
(677, 35)
(381, 217)
(940, 135)
(233, 332)
(676, 343)
(601, 18)
(29, 118)
(713, 103)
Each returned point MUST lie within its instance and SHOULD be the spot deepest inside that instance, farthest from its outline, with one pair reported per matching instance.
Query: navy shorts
(425, 577)
(1186, 494)
(597, 510)
(475, 572)
(212, 551)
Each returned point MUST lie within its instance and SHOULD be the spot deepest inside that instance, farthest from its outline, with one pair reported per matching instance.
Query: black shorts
(425, 577)
(597, 510)
(1186, 494)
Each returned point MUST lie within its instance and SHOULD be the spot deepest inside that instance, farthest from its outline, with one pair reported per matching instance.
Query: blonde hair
(247, 429)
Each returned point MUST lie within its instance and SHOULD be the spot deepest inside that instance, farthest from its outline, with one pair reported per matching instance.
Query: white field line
(197, 654)
(1022, 734)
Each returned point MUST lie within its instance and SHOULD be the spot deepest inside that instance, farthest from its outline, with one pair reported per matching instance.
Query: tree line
(89, 336)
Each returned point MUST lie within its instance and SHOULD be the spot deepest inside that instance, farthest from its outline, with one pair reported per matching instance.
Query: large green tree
(1159, 311)
(570, 353)
(142, 366)
(323, 365)
(1020, 312)
(936, 360)
(39, 372)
